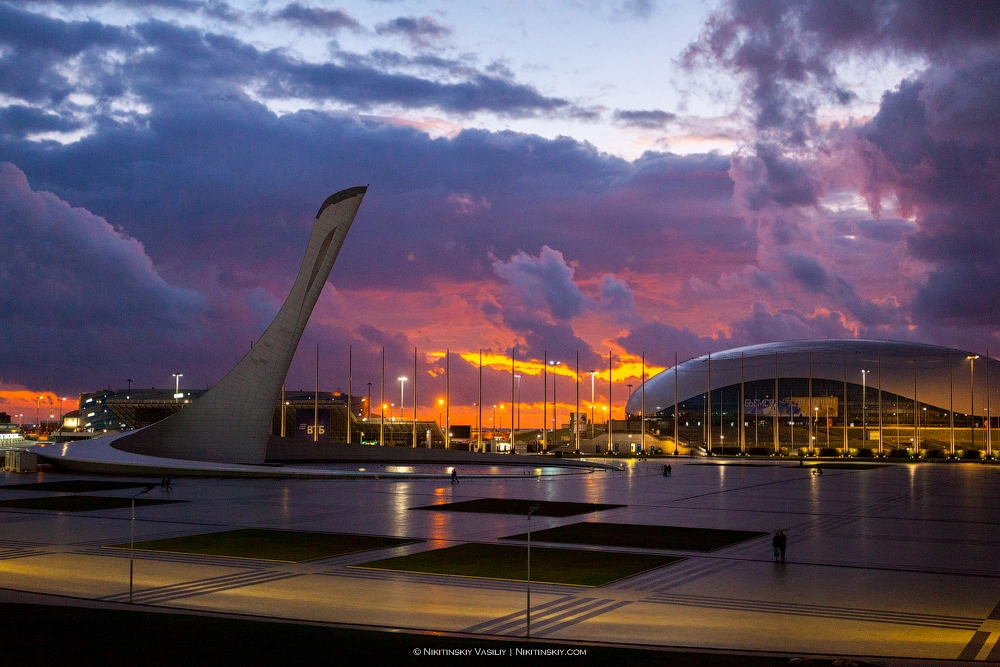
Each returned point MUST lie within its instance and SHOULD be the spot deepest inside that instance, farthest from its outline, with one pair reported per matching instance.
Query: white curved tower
(231, 422)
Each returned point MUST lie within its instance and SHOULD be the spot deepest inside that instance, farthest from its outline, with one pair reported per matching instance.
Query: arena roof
(940, 373)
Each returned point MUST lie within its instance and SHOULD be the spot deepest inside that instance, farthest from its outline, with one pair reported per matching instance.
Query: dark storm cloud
(19, 120)
(786, 51)
(932, 149)
(221, 191)
(654, 119)
(213, 8)
(165, 59)
(422, 31)
(33, 47)
(86, 284)
(935, 147)
(808, 271)
(317, 18)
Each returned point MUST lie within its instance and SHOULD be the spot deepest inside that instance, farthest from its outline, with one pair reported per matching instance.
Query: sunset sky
(624, 176)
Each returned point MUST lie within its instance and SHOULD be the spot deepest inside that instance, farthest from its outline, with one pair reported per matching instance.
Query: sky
(638, 178)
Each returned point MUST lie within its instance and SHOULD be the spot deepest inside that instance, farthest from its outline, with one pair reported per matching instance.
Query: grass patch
(285, 546)
(504, 561)
(80, 503)
(75, 486)
(519, 506)
(675, 538)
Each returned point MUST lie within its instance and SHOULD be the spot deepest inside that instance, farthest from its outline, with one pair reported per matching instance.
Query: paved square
(897, 562)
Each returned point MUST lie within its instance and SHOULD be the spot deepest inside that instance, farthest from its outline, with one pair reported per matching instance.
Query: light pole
(864, 413)
(131, 550)
(493, 424)
(38, 423)
(593, 374)
(402, 381)
(128, 394)
(531, 510)
(177, 387)
(517, 411)
(555, 420)
(972, 395)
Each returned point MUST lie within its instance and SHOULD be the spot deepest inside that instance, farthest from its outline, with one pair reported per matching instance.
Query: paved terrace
(894, 563)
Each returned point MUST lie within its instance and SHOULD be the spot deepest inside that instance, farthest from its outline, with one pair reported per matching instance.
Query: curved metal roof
(891, 363)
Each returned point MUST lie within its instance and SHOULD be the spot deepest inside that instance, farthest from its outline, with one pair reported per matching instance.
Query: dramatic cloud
(198, 152)
(89, 286)
(165, 60)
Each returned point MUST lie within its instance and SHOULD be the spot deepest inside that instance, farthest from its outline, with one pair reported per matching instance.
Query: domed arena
(826, 398)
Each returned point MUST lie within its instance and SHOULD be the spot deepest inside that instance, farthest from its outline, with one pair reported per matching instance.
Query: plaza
(893, 563)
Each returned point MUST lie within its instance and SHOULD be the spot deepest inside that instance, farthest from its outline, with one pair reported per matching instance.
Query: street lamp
(128, 394)
(555, 420)
(177, 387)
(517, 411)
(131, 550)
(972, 395)
(38, 423)
(864, 396)
(402, 380)
(531, 510)
(592, 375)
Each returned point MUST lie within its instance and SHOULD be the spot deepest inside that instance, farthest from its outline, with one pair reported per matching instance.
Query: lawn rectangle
(80, 503)
(634, 536)
(575, 567)
(519, 506)
(286, 546)
(75, 486)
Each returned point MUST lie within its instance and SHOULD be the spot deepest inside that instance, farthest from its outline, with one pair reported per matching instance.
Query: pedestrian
(776, 544)
(163, 483)
(454, 476)
(782, 543)
(167, 483)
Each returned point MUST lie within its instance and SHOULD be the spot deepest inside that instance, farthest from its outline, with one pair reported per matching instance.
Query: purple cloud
(422, 31)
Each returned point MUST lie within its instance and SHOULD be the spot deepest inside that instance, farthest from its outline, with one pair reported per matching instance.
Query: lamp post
(177, 387)
(128, 394)
(402, 381)
(972, 395)
(555, 420)
(38, 423)
(531, 510)
(864, 414)
(131, 550)
(592, 375)
(517, 411)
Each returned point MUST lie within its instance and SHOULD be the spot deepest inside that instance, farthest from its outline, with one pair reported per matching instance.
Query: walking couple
(779, 542)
